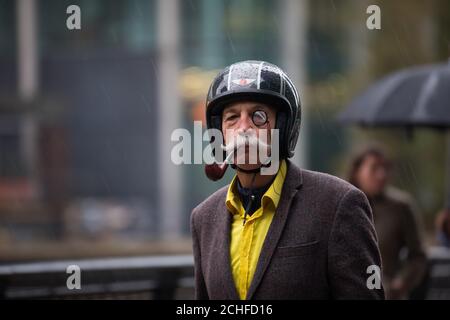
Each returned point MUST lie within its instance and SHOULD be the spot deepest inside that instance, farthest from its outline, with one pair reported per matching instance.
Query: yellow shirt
(247, 240)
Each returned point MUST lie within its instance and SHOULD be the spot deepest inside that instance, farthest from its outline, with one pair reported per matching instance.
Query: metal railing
(152, 277)
(436, 284)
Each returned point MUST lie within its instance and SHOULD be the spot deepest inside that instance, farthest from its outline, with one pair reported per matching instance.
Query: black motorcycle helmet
(263, 82)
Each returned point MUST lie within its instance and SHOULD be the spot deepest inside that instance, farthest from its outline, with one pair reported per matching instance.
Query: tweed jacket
(320, 244)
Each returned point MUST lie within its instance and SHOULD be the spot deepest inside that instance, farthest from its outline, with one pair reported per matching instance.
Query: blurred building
(86, 115)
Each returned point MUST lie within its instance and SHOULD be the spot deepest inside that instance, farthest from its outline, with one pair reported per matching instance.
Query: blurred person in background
(396, 223)
(443, 228)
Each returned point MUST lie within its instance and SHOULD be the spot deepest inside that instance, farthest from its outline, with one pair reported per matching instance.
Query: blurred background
(86, 118)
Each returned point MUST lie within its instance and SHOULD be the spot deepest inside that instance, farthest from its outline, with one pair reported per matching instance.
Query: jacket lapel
(223, 261)
(292, 183)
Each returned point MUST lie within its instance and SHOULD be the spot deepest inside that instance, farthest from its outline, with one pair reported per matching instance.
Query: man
(396, 223)
(295, 234)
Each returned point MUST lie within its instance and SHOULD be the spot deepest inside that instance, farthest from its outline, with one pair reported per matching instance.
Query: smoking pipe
(216, 171)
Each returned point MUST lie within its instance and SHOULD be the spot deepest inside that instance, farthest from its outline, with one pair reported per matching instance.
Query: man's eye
(232, 117)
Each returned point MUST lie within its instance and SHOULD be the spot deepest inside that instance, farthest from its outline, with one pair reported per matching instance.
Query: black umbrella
(418, 97)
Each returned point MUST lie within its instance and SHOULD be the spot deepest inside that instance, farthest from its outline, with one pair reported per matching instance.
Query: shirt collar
(270, 197)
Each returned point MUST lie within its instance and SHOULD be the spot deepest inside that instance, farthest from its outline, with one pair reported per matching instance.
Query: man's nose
(245, 122)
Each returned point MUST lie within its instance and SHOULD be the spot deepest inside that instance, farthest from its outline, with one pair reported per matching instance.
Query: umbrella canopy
(417, 97)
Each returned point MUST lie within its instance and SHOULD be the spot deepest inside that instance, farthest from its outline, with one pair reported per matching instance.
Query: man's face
(372, 175)
(246, 118)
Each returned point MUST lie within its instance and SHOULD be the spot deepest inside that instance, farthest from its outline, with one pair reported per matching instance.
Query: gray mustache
(243, 140)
